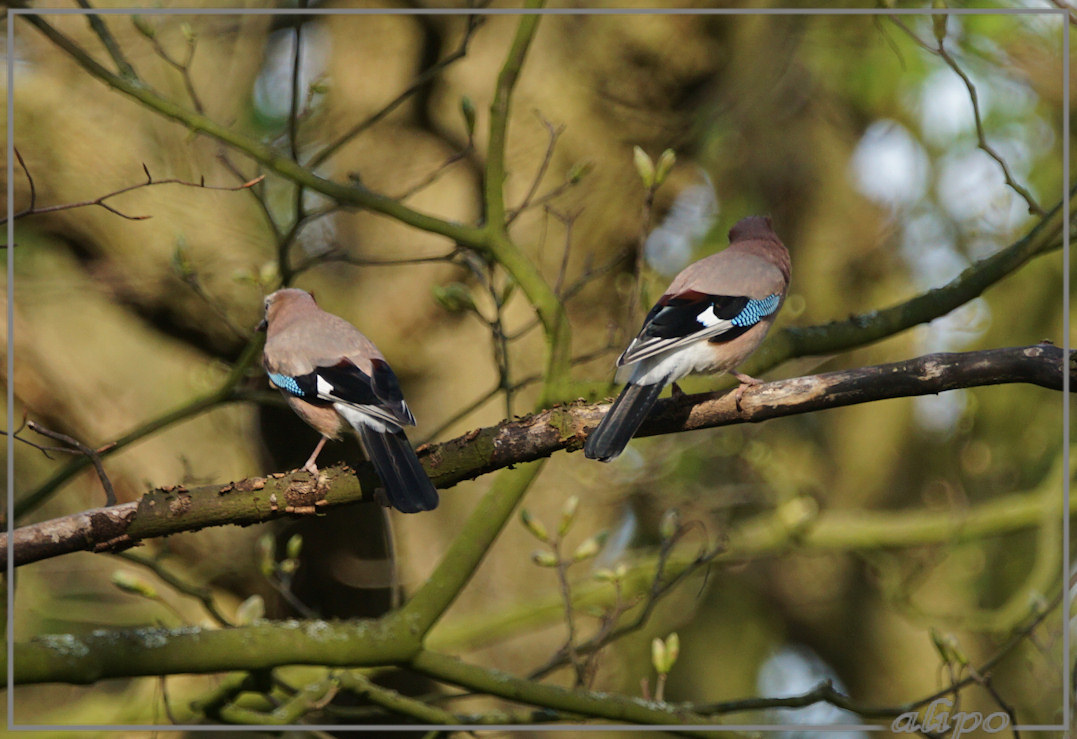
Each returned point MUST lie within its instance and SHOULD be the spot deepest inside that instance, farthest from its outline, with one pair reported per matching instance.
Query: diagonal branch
(352, 194)
(865, 328)
(169, 511)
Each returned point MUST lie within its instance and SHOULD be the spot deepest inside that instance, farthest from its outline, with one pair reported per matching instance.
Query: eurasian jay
(713, 315)
(332, 374)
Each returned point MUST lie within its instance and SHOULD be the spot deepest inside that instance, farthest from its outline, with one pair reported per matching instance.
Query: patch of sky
(794, 670)
(273, 87)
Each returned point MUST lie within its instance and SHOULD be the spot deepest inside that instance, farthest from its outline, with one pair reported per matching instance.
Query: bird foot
(745, 382)
(311, 468)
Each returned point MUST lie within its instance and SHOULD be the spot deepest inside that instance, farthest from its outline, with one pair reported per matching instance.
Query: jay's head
(283, 301)
(752, 227)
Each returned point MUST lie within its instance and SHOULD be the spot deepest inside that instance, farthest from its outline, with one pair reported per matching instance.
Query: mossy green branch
(795, 528)
(104, 654)
(392, 701)
(516, 442)
(581, 702)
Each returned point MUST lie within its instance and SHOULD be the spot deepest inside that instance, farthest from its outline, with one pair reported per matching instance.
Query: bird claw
(745, 382)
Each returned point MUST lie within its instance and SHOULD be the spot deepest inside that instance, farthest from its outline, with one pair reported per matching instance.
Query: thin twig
(825, 692)
(336, 253)
(150, 182)
(202, 594)
(569, 649)
(183, 67)
(568, 220)
(94, 456)
(1033, 207)
(293, 103)
(256, 192)
(431, 178)
(553, 134)
(647, 214)
(473, 22)
(659, 588)
(29, 179)
(981, 136)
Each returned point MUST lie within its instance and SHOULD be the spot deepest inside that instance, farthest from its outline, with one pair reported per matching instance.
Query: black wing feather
(378, 393)
(677, 316)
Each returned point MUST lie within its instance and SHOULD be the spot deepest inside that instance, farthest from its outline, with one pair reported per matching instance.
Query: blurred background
(859, 143)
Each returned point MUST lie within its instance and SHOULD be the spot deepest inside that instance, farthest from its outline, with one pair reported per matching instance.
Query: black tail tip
(600, 452)
(412, 501)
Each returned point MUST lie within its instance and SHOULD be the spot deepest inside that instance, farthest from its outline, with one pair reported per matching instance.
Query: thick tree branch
(105, 654)
(170, 511)
(71, 659)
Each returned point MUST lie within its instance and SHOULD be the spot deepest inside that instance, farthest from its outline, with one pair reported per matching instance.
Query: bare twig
(202, 594)
(473, 22)
(431, 178)
(981, 136)
(646, 217)
(29, 179)
(183, 67)
(568, 220)
(258, 193)
(94, 456)
(553, 133)
(826, 693)
(610, 632)
(293, 103)
(33, 210)
(1033, 207)
(337, 253)
(569, 649)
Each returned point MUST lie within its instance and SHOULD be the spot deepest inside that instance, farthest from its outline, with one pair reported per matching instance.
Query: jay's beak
(261, 325)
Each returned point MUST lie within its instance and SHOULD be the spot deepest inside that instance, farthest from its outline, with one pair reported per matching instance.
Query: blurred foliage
(117, 321)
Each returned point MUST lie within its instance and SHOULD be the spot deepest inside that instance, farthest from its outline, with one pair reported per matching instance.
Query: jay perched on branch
(713, 315)
(331, 375)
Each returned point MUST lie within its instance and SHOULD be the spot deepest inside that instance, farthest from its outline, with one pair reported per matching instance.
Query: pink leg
(745, 381)
(310, 466)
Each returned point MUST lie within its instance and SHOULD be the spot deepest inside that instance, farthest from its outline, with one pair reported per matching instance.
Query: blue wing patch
(287, 384)
(756, 310)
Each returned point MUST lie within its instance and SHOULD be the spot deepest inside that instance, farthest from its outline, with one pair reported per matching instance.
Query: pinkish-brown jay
(333, 376)
(713, 315)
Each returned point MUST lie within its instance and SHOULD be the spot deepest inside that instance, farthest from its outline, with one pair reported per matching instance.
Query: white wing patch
(324, 388)
(707, 317)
